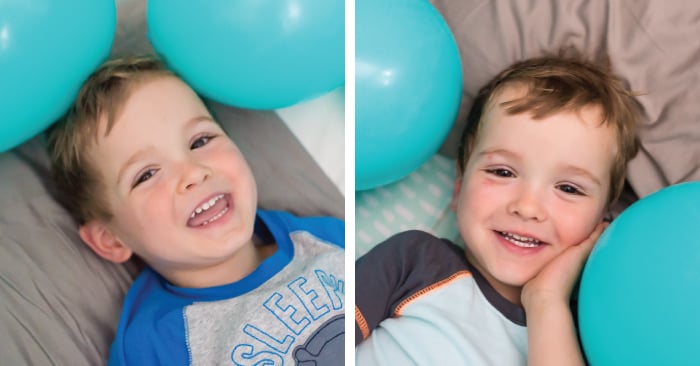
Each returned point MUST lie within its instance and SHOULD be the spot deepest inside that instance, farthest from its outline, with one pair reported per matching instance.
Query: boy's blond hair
(562, 84)
(102, 96)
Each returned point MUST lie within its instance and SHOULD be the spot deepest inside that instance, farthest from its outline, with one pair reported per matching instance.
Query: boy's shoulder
(418, 246)
(414, 254)
(326, 228)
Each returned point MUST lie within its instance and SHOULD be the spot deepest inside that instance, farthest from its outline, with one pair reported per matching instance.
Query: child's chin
(517, 280)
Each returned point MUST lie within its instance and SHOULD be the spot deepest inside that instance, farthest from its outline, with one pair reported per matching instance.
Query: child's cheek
(574, 225)
(154, 203)
(482, 191)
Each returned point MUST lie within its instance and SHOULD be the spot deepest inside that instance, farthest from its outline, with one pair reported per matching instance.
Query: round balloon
(640, 289)
(47, 50)
(408, 83)
(258, 54)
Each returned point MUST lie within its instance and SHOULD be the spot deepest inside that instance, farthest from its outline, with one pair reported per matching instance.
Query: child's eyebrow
(575, 170)
(198, 119)
(498, 151)
(134, 158)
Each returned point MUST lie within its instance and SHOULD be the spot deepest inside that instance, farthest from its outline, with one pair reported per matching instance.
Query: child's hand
(556, 280)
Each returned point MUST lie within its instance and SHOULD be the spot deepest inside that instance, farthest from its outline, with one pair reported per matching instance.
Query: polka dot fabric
(419, 201)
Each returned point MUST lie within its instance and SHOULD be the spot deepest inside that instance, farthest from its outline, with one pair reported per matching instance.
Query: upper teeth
(206, 205)
(521, 241)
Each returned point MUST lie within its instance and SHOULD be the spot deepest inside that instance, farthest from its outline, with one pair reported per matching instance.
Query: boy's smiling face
(530, 189)
(182, 196)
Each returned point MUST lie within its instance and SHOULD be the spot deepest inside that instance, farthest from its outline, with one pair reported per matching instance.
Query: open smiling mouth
(521, 241)
(210, 211)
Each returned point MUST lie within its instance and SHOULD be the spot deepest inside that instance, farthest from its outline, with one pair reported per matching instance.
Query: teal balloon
(47, 50)
(408, 83)
(256, 54)
(639, 298)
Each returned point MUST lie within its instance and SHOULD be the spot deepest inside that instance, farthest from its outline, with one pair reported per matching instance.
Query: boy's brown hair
(562, 84)
(102, 96)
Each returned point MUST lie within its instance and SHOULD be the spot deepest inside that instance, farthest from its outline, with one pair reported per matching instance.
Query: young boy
(543, 156)
(146, 170)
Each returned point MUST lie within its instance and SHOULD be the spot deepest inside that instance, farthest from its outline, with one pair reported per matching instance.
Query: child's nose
(527, 204)
(193, 174)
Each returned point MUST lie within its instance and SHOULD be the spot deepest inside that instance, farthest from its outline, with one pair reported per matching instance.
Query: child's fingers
(560, 274)
(586, 246)
(593, 238)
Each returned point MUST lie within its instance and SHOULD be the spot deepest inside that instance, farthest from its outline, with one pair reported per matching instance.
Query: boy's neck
(510, 293)
(235, 268)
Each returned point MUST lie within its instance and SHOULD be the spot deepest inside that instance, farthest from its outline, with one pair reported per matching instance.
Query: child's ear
(457, 188)
(103, 242)
(455, 193)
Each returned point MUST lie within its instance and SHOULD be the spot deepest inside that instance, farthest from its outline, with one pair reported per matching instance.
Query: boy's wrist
(543, 300)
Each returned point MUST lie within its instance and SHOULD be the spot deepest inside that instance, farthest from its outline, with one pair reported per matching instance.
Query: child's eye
(148, 174)
(201, 141)
(570, 189)
(501, 172)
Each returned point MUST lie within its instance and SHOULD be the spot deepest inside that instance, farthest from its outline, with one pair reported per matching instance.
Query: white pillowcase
(319, 124)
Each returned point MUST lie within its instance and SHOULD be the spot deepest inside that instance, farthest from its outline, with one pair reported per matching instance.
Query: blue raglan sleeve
(151, 328)
(326, 228)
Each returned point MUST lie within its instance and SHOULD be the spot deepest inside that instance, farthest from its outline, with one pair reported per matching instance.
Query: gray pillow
(653, 46)
(59, 302)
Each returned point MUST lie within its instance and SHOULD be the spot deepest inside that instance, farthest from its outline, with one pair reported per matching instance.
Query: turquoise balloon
(257, 54)
(639, 298)
(408, 83)
(47, 50)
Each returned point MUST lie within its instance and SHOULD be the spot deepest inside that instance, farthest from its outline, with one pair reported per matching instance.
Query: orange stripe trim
(362, 323)
(430, 288)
